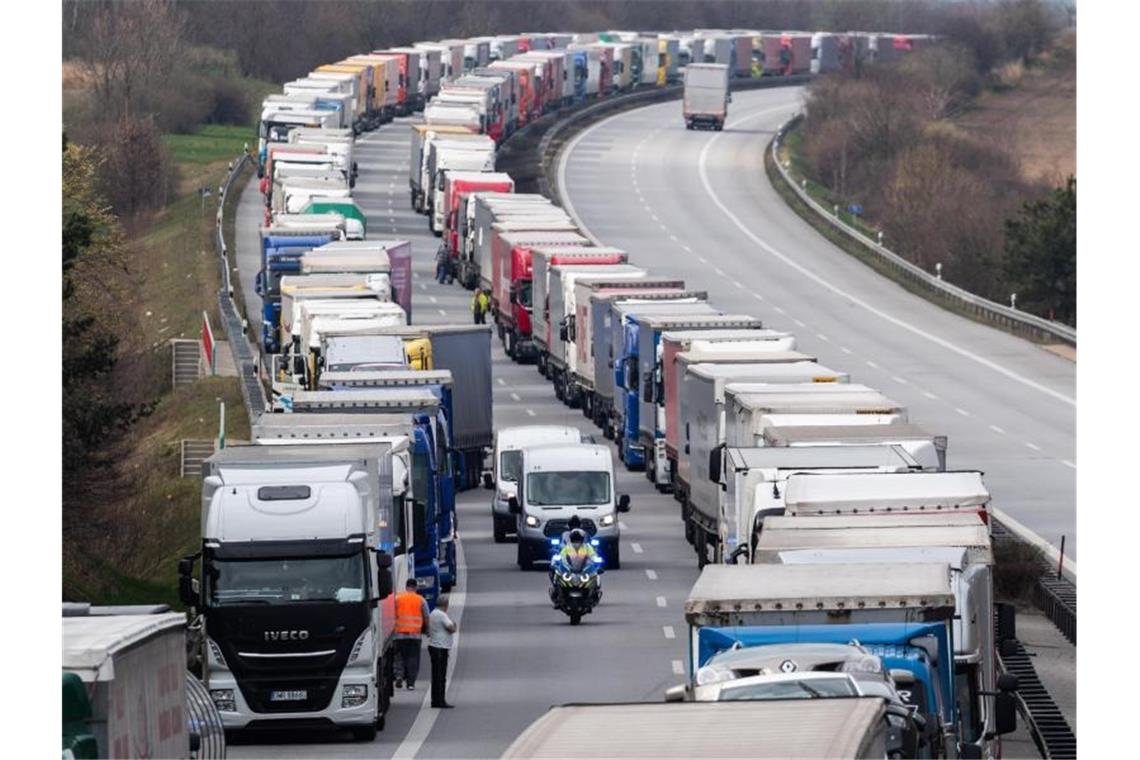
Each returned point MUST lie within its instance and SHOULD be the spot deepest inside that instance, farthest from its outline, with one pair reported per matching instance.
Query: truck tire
(524, 557)
(364, 733)
(614, 558)
(498, 530)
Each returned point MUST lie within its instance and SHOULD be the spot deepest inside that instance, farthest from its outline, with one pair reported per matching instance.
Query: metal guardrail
(1056, 597)
(983, 308)
(246, 358)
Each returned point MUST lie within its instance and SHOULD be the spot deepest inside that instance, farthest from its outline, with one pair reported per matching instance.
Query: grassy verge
(790, 151)
(148, 515)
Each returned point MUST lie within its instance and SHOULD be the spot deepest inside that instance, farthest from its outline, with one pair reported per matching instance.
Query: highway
(515, 655)
(699, 205)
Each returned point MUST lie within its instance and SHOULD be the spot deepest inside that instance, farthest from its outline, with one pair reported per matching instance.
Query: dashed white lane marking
(758, 297)
(678, 668)
(660, 601)
(930, 395)
(997, 430)
(737, 284)
(778, 310)
(702, 259)
(530, 412)
(636, 548)
(719, 272)
(845, 349)
(502, 381)
(651, 574)
(423, 286)
(799, 322)
(1032, 446)
(823, 337)
(1067, 463)
(961, 411)
(686, 248)
(672, 237)
(433, 299)
(872, 365)
(442, 312)
(899, 380)
(702, 170)
(515, 396)
(668, 631)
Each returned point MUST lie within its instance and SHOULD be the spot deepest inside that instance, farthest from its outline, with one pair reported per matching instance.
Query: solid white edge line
(425, 718)
(930, 337)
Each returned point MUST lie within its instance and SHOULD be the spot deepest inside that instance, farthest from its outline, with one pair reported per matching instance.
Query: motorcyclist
(574, 524)
(577, 550)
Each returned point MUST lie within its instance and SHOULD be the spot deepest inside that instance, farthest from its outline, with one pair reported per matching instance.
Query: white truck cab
(558, 481)
(507, 466)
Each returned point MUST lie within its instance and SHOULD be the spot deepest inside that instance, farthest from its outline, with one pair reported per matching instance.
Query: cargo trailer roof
(793, 728)
(884, 492)
(810, 371)
(792, 434)
(727, 334)
(771, 588)
(257, 456)
(838, 400)
(376, 398)
(787, 534)
(812, 457)
(749, 356)
(388, 377)
(321, 427)
(90, 643)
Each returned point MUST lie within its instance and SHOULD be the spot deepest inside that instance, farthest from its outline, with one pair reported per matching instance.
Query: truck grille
(555, 528)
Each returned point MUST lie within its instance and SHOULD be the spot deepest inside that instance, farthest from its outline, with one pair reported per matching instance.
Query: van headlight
(531, 521)
(607, 520)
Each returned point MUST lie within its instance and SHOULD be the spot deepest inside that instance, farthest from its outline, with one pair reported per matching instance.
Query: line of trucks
(348, 487)
(840, 556)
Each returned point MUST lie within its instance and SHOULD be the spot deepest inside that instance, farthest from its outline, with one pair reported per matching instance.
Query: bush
(230, 104)
(137, 173)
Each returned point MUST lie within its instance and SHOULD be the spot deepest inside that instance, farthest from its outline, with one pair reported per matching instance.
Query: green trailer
(344, 206)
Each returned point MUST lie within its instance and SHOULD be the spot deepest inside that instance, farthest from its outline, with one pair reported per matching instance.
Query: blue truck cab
(902, 612)
(627, 374)
(281, 251)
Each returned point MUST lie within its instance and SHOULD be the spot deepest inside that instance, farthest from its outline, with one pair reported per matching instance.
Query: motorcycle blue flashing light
(595, 542)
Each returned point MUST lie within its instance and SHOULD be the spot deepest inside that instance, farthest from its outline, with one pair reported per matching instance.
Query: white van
(507, 464)
(557, 482)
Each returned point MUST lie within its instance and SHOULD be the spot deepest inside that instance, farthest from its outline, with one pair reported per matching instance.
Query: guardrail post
(1013, 300)
(937, 267)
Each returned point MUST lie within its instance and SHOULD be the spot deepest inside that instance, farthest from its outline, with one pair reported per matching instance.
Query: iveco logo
(286, 635)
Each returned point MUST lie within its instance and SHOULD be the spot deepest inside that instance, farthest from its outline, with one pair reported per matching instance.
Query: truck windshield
(286, 581)
(526, 297)
(813, 689)
(565, 488)
(510, 465)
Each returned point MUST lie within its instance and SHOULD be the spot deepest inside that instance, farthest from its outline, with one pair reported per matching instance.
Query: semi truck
(399, 253)
(706, 97)
(901, 612)
(295, 583)
(927, 449)
(456, 186)
(281, 249)
(422, 136)
(986, 711)
(467, 155)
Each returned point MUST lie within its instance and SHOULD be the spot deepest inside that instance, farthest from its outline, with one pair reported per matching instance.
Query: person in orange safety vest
(411, 621)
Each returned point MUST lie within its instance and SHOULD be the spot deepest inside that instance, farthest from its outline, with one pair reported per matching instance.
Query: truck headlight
(223, 700)
(607, 520)
(710, 674)
(354, 695)
(531, 521)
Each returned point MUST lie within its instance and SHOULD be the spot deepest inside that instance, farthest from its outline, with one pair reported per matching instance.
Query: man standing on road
(411, 623)
(441, 637)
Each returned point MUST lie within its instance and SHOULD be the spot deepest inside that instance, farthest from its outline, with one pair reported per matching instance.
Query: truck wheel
(575, 618)
(614, 558)
(524, 558)
(511, 345)
(499, 530)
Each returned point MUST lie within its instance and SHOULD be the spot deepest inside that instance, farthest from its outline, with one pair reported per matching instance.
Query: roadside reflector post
(1061, 559)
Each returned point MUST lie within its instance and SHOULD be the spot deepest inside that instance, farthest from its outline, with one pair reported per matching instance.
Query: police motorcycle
(575, 587)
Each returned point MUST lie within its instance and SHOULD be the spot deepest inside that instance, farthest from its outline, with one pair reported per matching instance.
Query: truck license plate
(288, 696)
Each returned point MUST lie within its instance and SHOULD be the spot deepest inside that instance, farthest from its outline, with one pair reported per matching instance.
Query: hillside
(1032, 113)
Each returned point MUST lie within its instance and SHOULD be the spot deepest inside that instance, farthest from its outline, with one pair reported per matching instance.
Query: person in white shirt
(441, 637)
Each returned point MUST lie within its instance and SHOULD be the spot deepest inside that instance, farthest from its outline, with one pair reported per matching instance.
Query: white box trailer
(453, 155)
(908, 493)
(748, 413)
(134, 670)
(705, 101)
(422, 136)
(754, 481)
(543, 260)
(790, 728)
(701, 411)
(927, 449)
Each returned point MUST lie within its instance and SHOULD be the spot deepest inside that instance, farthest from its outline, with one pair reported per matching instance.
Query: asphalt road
(515, 655)
(698, 204)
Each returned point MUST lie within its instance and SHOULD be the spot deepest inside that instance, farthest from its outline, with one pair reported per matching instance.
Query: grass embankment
(128, 554)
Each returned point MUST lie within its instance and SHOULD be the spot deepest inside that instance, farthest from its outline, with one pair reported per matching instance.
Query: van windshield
(566, 488)
(510, 465)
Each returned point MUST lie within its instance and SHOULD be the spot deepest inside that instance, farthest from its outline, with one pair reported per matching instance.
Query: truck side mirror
(647, 389)
(563, 332)
(513, 505)
(383, 574)
(488, 481)
(623, 503)
(187, 594)
(715, 457)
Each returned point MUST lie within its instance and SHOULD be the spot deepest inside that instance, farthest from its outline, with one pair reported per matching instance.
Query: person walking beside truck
(441, 257)
(411, 623)
(441, 638)
(479, 305)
